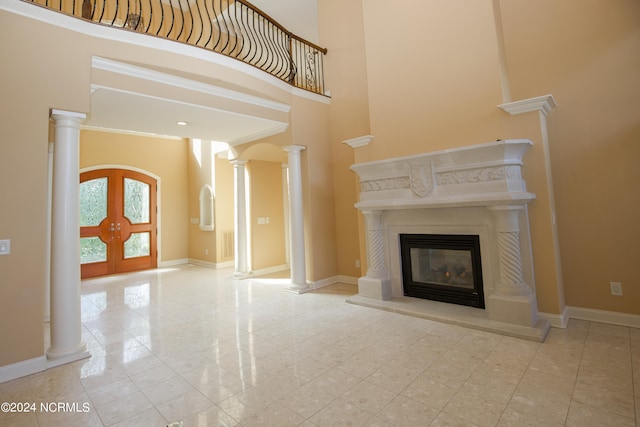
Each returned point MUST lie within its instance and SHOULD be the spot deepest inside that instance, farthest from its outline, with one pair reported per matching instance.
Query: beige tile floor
(186, 344)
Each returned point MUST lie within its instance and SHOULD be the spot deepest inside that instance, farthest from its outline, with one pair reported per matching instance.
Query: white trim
(209, 264)
(603, 316)
(269, 270)
(324, 282)
(173, 262)
(301, 93)
(23, 368)
(183, 83)
(129, 132)
(556, 320)
(360, 141)
(544, 104)
(349, 280)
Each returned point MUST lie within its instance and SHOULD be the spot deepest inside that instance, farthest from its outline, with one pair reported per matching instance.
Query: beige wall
(267, 239)
(27, 96)
(168, 162)
(587, 54)
(224, 189)
(342, 33)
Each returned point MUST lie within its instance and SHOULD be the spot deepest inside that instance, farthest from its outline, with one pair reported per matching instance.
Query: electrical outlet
(357, 263)
(5, 247)
(616, 288)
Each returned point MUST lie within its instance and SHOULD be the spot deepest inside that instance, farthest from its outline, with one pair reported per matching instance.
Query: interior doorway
(118, 222)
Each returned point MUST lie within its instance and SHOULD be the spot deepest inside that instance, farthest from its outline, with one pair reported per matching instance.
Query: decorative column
(511, 288)
(377, 282)
(296, 219)
(240, 221)
(65, 326)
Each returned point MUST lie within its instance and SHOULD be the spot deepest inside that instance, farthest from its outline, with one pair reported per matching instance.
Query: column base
(239, 276)
(298, 289)
(519, 310)
(57, 358)
(373, 287)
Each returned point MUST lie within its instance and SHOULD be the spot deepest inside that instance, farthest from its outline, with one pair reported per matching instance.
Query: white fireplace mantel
(479, 175)
(476, 190)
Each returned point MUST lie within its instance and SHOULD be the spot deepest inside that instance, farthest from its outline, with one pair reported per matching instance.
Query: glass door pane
(92, 249)
(93, 202)
(138, 244)
(136, 201)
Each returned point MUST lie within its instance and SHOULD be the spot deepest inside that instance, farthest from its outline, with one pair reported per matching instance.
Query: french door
(117, 222)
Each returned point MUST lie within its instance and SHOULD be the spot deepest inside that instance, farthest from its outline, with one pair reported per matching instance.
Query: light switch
(5, 247)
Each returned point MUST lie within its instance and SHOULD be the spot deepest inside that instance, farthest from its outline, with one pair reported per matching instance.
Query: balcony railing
(233, 28)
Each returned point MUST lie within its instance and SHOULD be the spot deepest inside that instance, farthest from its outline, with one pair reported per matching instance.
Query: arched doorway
(118, 216)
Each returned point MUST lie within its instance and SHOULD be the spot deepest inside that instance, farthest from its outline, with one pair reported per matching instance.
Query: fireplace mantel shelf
(448, 201)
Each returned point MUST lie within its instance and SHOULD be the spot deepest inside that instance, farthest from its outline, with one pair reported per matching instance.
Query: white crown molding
(544, 104)
(122, 68)
(360, 141)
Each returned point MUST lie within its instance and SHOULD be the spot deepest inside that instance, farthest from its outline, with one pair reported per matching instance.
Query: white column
(296, 218)
(47, 284)
(66, 335)
(285, 210)
(377, 283)
(240, 221)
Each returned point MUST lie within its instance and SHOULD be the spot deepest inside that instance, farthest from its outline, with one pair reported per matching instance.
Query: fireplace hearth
(442, 267)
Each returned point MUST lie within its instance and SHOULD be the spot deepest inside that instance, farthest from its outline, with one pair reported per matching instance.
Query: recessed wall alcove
(476, 190)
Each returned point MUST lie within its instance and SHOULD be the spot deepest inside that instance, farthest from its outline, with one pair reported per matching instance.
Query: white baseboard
(269, 270)
(324, 282)
(603, 316)
(350, 280)
(23, 368)
(208, 264)
(556, 320)
(173, 262)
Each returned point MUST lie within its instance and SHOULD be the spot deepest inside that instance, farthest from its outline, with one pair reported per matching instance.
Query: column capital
(238, 162)
(60, 114)
(294, 148)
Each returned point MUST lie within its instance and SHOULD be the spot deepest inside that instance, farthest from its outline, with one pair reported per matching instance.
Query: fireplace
(475, 198)
(442, 267)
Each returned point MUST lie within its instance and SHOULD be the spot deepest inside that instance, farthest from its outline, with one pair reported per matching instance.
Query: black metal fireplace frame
(437, 292)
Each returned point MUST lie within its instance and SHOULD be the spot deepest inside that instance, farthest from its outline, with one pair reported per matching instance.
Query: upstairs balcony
(234, 28)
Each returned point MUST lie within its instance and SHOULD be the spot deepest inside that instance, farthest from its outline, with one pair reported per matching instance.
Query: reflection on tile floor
(188, 345)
